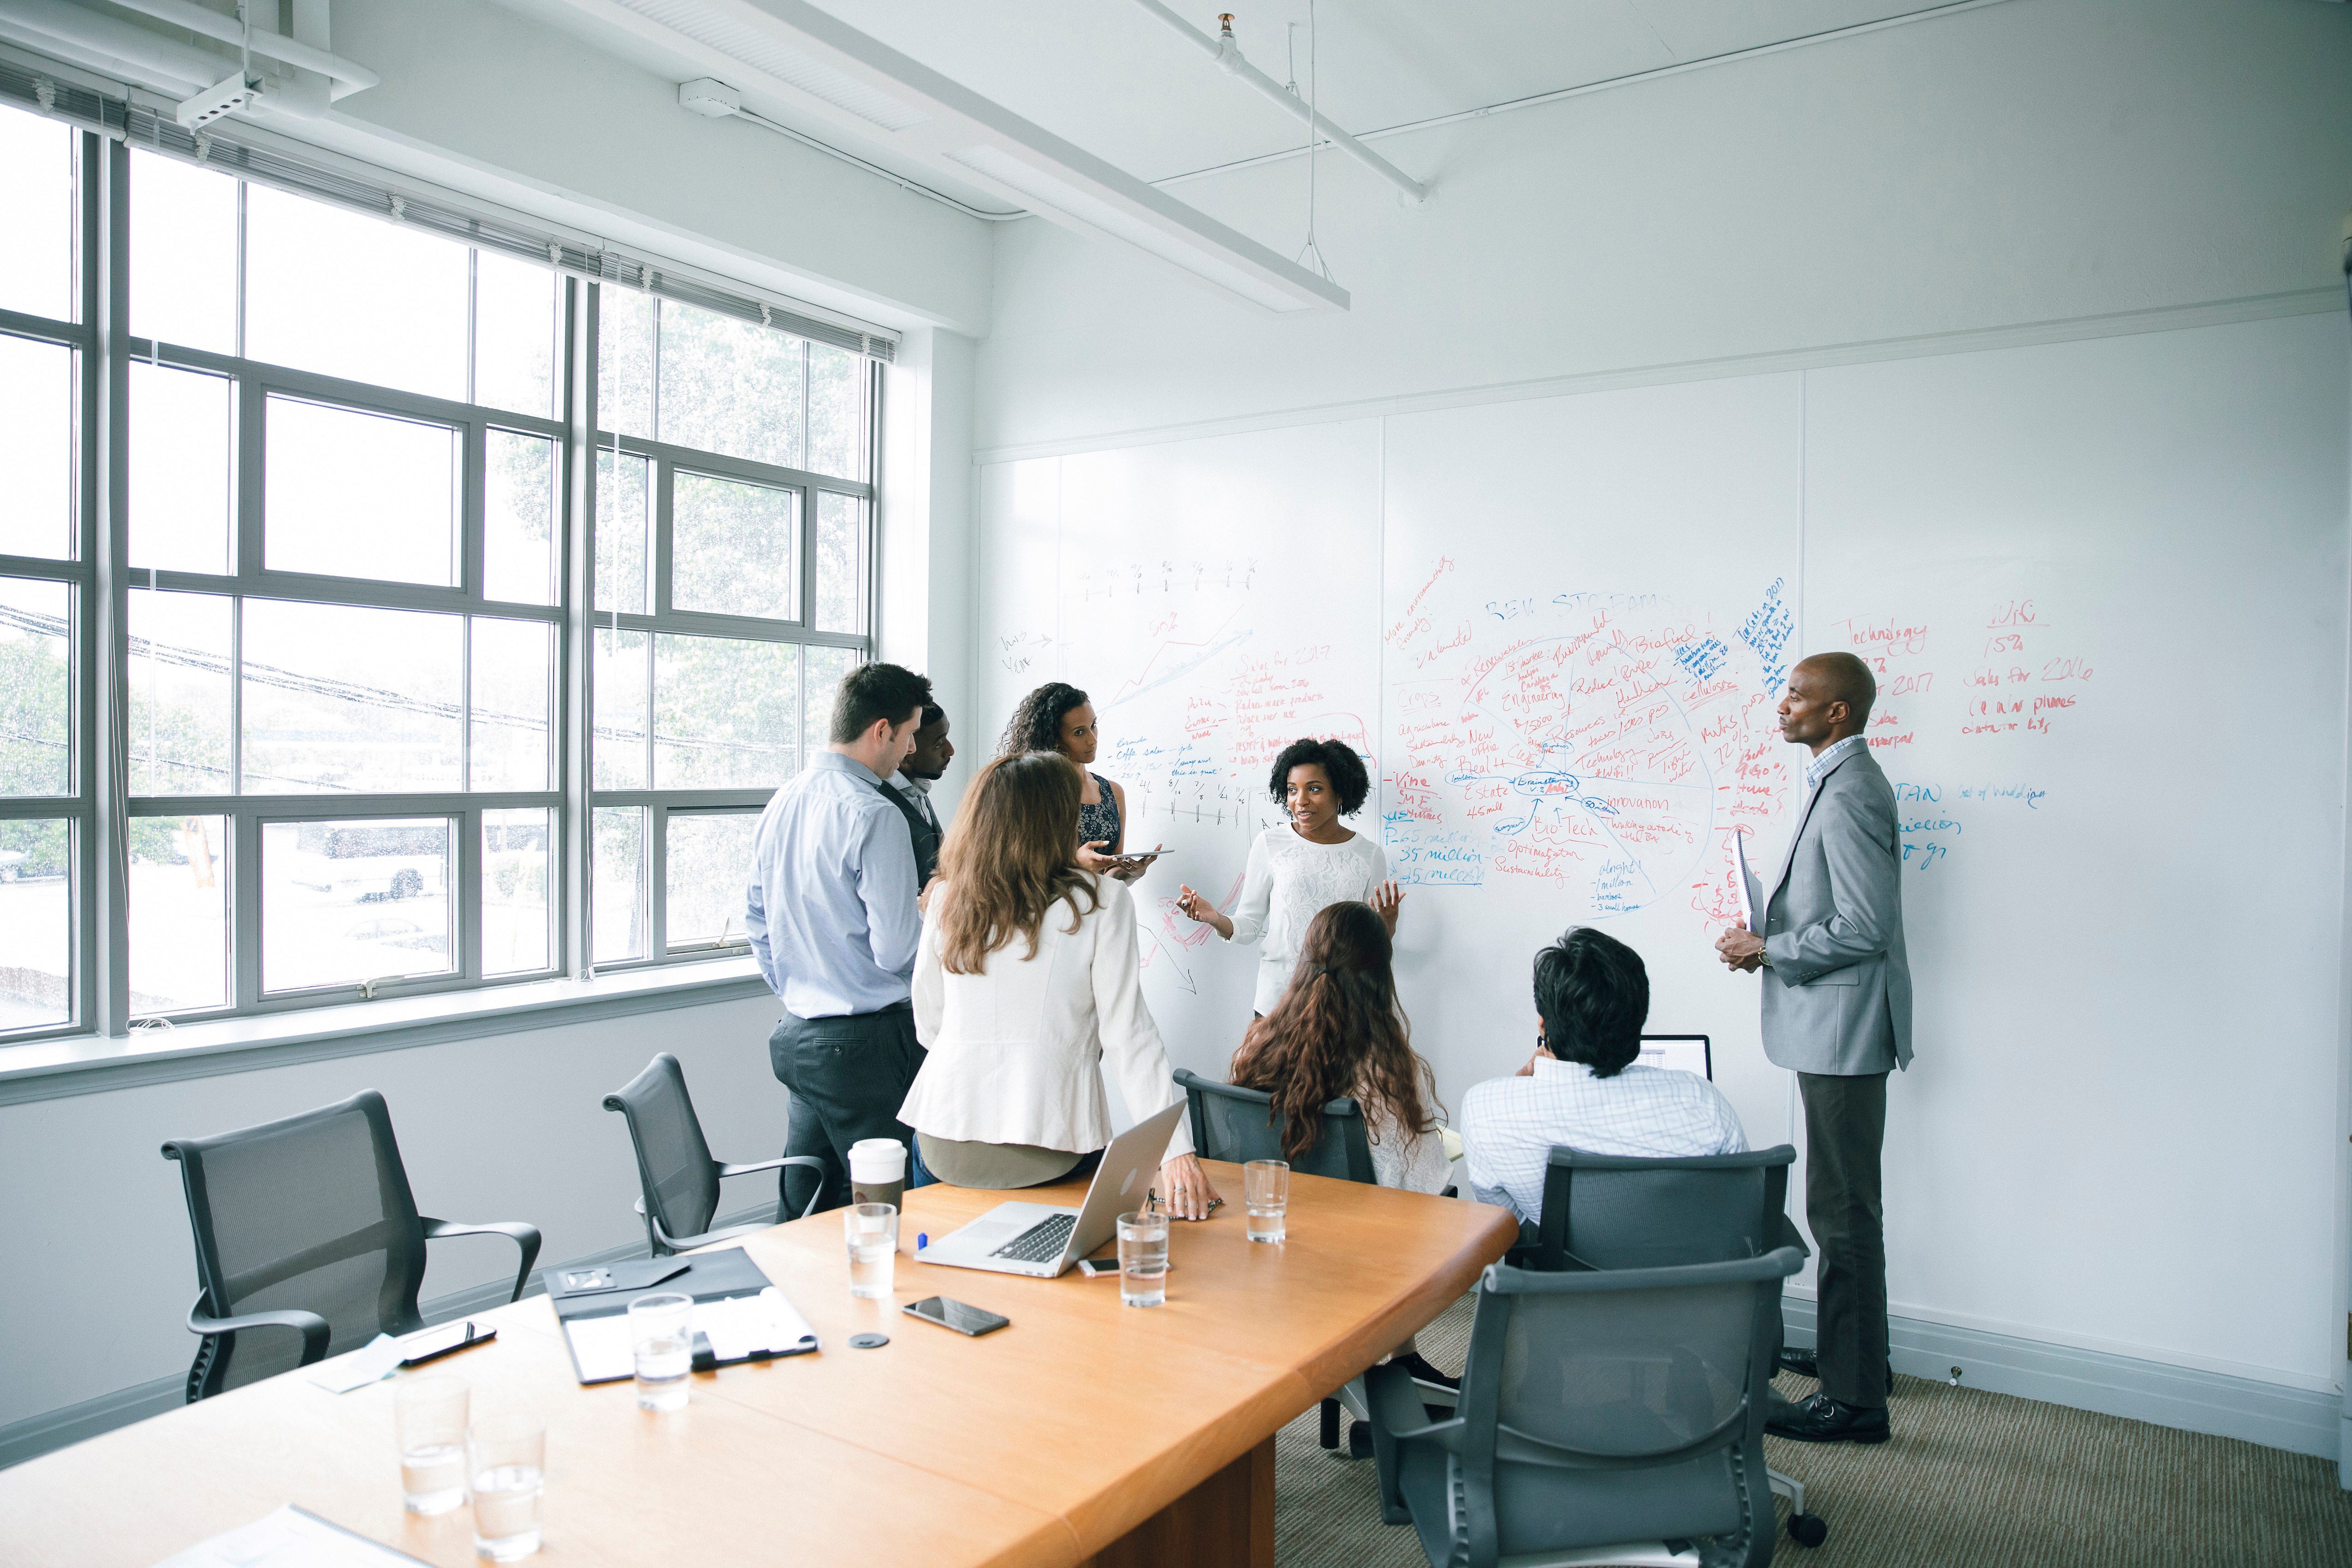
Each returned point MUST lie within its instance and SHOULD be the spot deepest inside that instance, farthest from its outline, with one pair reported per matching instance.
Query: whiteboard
(2104, 586)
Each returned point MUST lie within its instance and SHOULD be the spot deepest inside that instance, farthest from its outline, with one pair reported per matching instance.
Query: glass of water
(1143, 1259)
(873, 1233)
(661, 1333)
(1266, 1191)
(430, 1414)
(507, 1456)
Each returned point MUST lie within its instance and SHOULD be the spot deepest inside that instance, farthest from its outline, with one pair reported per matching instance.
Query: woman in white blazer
(1025, 979)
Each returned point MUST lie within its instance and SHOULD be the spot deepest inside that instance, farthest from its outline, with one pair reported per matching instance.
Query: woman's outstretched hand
(1184, 1188)
(1387, 898)
(1198, 908)
(1092, 859)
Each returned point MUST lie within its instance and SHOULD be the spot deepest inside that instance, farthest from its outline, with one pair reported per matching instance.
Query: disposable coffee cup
(877, 1171)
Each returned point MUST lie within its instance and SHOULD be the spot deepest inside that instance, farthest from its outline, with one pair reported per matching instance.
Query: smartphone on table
(962, 1317)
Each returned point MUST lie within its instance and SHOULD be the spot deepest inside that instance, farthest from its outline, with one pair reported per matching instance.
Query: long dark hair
(1006, 861)
(1338, 1031)
(1036, 723)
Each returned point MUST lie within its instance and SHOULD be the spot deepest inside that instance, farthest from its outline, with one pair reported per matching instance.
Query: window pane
(36, 447)
(179, 680)
(729, 386)
(347, 901)
(617, 754)
(360, 495)
(841, 588)
(733, 547)
(723, 713)
(514, 334)
(709, 866)
(836, 412)
(624, 523)
(183, 468)
(616, 910)
(343, 294)
(518, 518)
(518, 868)
(35, 687)
(514, 690)
(624, 361)
(338, 698)
(826, 668)
(37, 191)
(183, 254)
(36, 924)
(179, 913)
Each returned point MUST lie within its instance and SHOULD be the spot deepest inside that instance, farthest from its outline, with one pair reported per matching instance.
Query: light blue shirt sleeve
(883, 856)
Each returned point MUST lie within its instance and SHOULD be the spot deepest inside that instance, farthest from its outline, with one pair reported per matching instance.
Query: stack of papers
(290, 1538)
(739, 1328)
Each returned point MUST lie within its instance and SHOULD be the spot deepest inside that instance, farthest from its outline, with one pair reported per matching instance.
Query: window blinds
(249, 159)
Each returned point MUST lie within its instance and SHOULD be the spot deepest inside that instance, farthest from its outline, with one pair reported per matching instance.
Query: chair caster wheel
(1360, 1440)
(1807, 1529)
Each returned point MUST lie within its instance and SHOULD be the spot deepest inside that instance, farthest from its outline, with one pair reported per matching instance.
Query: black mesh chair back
(1597, 1408)
(1610, 1211)
(1240, 1125)
(312, 1213)
(675, 1165)
(678, 1176)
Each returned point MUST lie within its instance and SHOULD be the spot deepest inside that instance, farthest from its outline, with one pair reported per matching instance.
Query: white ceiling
(1110, 77)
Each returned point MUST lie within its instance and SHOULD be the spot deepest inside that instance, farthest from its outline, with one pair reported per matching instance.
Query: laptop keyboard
(1041, 1243)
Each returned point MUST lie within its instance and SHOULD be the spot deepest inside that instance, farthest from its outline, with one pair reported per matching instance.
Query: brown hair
(1006, 860)
(1337, 1031)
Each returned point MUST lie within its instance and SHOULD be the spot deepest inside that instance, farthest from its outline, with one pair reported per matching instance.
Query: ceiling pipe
(1228, 56)
(103, 44)
(348, 75)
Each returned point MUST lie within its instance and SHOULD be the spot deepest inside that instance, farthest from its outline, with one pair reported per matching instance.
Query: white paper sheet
(736, 1327)
(1750, 895)
(290, 1538)
(370, 1363)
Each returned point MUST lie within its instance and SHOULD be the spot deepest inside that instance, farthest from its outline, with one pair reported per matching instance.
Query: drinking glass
(1266, 1191)
(429, 1412)
(507, 1456)
(873, 1233)
(661, 1333)
(1143, 1259)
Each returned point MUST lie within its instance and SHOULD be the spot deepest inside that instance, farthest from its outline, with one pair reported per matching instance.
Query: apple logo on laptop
(1127, 1185)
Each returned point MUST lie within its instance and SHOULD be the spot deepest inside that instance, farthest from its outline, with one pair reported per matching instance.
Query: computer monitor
(1682, 1053)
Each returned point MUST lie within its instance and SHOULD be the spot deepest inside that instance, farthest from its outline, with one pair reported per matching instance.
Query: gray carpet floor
(1970, 1478)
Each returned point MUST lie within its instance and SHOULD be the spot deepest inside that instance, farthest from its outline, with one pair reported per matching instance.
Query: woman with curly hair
(1297, 870)
(1025, 981)
(1056, 717)
(1338, 1032)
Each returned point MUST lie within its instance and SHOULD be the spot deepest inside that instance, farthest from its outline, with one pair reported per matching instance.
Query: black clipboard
(705, 1275)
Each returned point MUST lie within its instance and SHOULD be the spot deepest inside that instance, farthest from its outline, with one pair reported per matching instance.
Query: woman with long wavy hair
(1026, 978)
(1338, 1031)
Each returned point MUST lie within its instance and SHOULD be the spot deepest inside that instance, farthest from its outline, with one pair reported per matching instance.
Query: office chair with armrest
(1241, 1125)
(676, 1172)
(307, 1224)
(1614, 1211)
(1611, 1416)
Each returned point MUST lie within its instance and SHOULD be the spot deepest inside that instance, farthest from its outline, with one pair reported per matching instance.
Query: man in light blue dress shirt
(831, 913)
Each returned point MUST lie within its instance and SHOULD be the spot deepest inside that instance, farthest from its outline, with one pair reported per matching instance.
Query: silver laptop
(1684, 1053)
(1041, 1240)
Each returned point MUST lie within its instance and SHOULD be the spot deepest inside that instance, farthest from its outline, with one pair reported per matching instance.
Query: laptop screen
(1684, 1053)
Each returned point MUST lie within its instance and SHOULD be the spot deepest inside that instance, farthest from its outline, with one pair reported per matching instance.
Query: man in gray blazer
(1837, 1011)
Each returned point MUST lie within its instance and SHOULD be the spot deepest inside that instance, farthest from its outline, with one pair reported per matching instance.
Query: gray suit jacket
(1837, 994)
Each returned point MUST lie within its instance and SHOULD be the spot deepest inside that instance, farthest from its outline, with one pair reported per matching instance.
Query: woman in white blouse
(1025, 979)
(1296, 870)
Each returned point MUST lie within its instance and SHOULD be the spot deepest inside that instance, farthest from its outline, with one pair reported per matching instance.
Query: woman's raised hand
(1387, 898)
(1092, 859)
(1198, 908)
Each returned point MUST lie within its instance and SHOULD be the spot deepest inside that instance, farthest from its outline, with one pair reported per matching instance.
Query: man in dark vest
(910, 790)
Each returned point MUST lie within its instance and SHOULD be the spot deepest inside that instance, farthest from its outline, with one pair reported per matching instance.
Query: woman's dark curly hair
(1336, 758)
(1036, 725)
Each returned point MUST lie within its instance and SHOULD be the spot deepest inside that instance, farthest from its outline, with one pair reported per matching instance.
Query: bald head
(1843, 678)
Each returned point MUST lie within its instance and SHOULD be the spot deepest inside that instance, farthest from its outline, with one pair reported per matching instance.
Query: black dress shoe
(1822, 1419)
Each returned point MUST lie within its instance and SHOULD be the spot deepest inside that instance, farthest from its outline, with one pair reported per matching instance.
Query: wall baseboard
(54, 1429)
(2302, 1421)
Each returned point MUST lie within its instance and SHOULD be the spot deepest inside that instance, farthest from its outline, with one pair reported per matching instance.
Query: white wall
(101, 1270)
(2038, 164)
(2036, 161)
(927, 532)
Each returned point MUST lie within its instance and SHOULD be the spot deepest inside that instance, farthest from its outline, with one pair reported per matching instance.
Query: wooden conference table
(1085, 1433)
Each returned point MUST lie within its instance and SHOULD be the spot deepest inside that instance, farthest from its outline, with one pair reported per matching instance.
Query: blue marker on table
(922, 1240)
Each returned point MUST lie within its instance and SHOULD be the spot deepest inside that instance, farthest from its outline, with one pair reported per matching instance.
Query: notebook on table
(738, 1315)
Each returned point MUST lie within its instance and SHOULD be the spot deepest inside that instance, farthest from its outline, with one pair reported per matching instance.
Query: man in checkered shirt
(1582, 1087)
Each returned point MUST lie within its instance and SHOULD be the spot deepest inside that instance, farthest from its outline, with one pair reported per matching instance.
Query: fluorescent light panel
(756, 47)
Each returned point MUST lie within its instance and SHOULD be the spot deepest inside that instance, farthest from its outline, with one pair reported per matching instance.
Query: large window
(370, 738)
